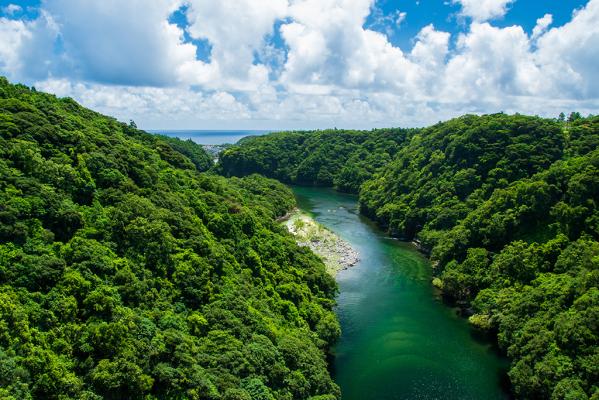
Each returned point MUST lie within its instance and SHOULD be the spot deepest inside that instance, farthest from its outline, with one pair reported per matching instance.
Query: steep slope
(126, 273)
(528, 261)
(446, 169)
(196, 154)
(335, 158)
(507, 208)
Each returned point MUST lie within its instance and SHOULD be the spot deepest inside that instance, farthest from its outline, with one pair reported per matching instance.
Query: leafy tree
(127, 273)
(506, 205)
(337, 158)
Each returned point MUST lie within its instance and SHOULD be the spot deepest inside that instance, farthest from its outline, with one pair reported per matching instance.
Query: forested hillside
(507, 207)
(528, 260)
(445, 170)
(196, 153)
(332, 158)
(127, 273)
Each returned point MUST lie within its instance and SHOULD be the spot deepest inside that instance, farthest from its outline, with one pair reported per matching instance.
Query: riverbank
(336, 253)
(398, 340)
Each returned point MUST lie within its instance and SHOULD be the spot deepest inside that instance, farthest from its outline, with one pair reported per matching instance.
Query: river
(399, 341)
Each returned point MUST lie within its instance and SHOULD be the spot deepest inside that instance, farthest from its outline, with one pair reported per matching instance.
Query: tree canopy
(127, 273)
(506, 205)
(334, 158)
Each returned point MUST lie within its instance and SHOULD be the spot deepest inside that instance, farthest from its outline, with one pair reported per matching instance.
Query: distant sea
(209, 137)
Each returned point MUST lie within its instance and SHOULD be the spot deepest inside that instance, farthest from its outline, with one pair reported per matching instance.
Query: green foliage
(447, 169)
(126, 273)
(196, 153)
(506, 206)
(339, 158)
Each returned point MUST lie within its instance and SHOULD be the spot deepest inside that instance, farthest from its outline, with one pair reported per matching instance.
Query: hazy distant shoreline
(210, 137)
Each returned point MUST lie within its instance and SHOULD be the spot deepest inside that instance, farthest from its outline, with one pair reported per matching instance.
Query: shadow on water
(399, 341)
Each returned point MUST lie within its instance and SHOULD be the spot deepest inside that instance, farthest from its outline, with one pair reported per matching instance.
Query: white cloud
(491, 63)
(235, 41)
(484, 10)
(400, 17)
(13, 34)
(542, 25)
(333, 70)
(150, 105)
(122, 42)
(570, 54)
(385, 22)
(26, 47)
(429, 54)
(329, 47)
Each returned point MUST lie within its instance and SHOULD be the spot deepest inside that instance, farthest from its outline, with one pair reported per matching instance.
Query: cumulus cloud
(121, 42)
(235, 42)
(570, 54)
(329, 48)
(491, 62)
(13, 34)
(429, 54)
(386, 22)
(149, 104)
(91, 41)
(483, 10)
(26, 47)
(298, 63)
(542, 25)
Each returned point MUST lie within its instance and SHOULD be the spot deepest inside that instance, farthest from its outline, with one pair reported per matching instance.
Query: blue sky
(290, 64)
(445, 15)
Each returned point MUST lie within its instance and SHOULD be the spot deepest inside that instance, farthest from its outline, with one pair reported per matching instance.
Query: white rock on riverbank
(335, 252)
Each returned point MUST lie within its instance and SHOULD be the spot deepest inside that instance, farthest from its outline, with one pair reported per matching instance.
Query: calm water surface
(398, 339)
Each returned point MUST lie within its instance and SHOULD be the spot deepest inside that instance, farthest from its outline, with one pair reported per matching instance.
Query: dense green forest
(196, 154)
(506, 205)
(332, 158)
(127, 273)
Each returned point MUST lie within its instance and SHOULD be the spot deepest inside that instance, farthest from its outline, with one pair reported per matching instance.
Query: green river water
(399, 341)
